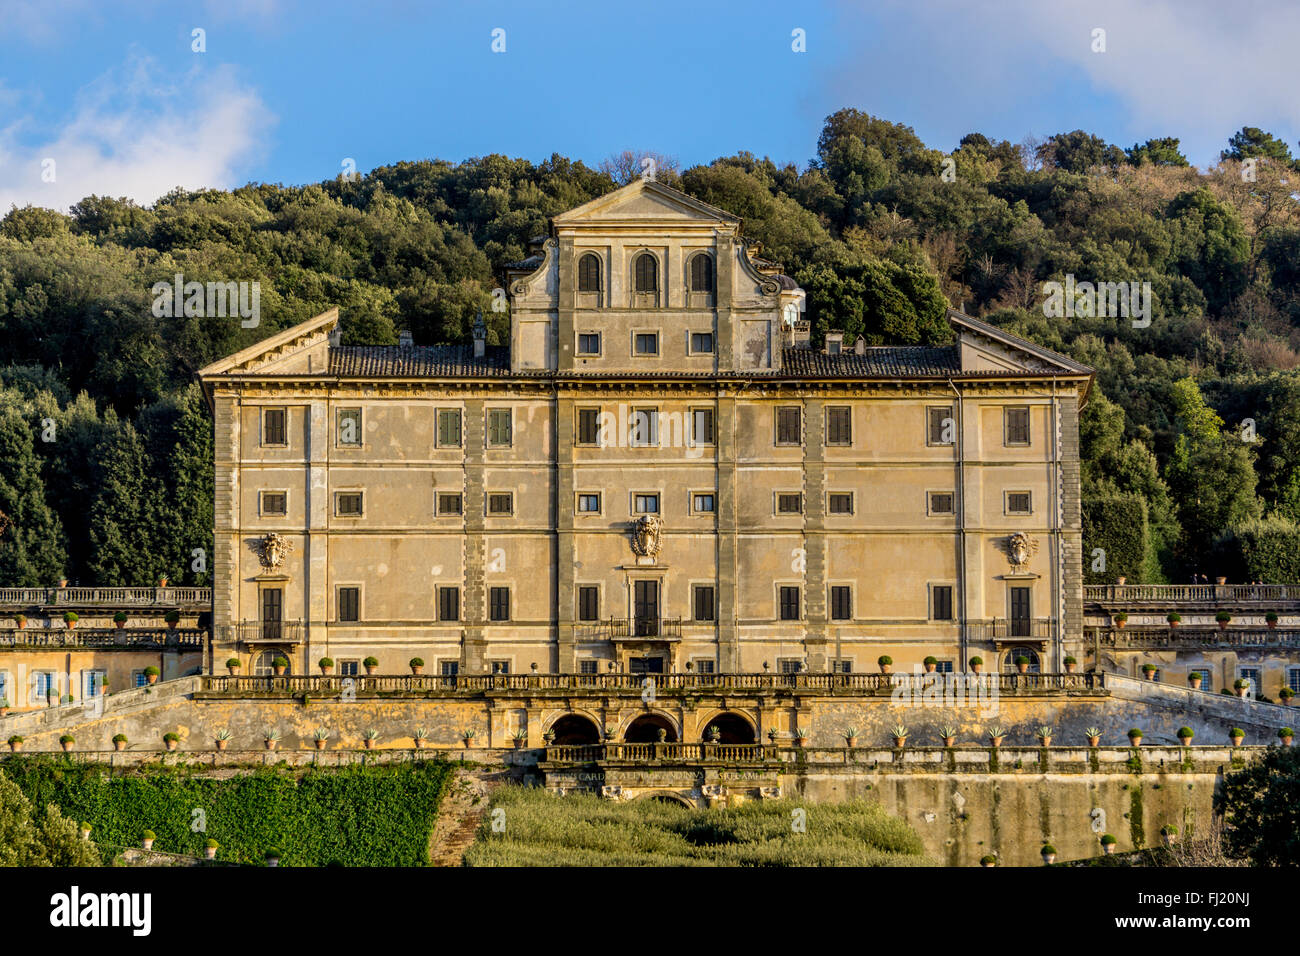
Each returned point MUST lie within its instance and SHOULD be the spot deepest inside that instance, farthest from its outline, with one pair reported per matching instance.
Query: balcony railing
(138, 638)
(1191, 593)
(630, 629)
(108, 597)
(261, 632)
(728, 753)
(1194, 638)
(1004, 629)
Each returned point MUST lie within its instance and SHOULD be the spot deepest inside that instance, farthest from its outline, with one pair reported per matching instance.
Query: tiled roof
(421, 361)
(879, 361)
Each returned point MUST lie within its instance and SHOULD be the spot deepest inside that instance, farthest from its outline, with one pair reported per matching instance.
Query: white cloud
(133, 134)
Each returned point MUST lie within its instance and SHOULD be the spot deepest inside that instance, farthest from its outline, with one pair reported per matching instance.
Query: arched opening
(702, 273)
(646, 273)
(732, 729)
(575, 729)
(264, 663)
(589, 273)
(645, 730)
(1009, 662)
(676, 799)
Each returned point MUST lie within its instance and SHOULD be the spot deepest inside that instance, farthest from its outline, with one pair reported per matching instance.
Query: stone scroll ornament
(646, 533)
(273, 549)
(1020, 548)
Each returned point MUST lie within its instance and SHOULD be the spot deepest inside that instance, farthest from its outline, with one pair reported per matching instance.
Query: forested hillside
(1191, 436)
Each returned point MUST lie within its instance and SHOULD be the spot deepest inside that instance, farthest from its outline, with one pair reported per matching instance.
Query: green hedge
(1119, 525)
(378, 815)
(1265, 550)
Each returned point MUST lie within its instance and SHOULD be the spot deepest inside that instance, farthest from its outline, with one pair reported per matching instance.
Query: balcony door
(645, 607)
(1020, 620)
(272, 613)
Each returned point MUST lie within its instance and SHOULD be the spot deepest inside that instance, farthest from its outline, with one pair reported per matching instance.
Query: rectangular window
(5, 695)
(589, 666)
(347, 504)
(274, 431)
(449, 604)
(500, 667)
(449, 668)
(450, 503)
(702, 504)
(788, 426)
(942, 430)
(943, 667)
(349, 604)
(840, 503)
(789, 665)
(499, 427)
(789, 603)
(841, 667)
(941, 602)
(43, 685)
(789, 504)
(704, 604)
(588, 426)
(644, 427)
(92, 684)
(501, 503)
(645, 343)
(349, 668)
(1018, 503)
(588, 603)
(349, 427)
(702, 426)
(841, 603)
(1017, 426)
(839, 425)
(941, 502)
(449, 428)
(1293, 678)
(589, 343)
(589, 503)
(702, 342)
(139, 678)
(274, 502)
(704, 666)
(1251, 674)
(647, 504)
(498, 604)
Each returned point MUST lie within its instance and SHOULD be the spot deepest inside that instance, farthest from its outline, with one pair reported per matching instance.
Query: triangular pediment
(645, 201)
(299, 350)
(986, 348)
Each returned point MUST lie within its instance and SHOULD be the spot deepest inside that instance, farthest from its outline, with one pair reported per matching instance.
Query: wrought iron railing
(261, 632)
(623, 628)
(1006, 629)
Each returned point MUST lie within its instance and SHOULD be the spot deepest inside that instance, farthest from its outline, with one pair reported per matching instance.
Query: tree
(1078, 152)
(1252, 141)
(1158, 152)
(44, 839)
(31, 547)
(124, 529)
(1261, 809)
(632, 164)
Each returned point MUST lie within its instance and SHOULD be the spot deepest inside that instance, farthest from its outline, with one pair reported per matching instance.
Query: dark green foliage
(352, 816)
(1261, 809)
(1118, 525)
(1265, 550)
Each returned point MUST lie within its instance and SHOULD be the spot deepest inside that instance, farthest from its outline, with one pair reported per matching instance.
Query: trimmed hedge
(1117, 524)
(378, 815)
(1267, 550)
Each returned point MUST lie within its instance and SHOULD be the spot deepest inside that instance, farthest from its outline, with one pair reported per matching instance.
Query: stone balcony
(184, 599)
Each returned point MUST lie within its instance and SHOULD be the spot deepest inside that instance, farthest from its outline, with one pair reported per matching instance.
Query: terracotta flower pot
(886, 668)
(800, 741)
(21, 624)
(1022, 668)
(329, 669)
(1195, 683)
(850, 742)
(234, 671)
(72, 625)
(1135, 741)
(996, 741)
(1286, 741)
(151, 678)
(209, 853)
(221, 744)
(1120, 624)
(1108, 848)
(949, 741)
(148, 843)
(1236, 741)
(119, 624)
(320, 745)
(977, 668)
(900, 741)
(270, 745)
(67, 745)
(279, 671)
(1272, 625)
(1049, 858)
(1173, 624)
(1094, 741)
(4, 711)
(929, 668)
(370, 669)
(370, 744)
(417, 668)
(171, 744)
(1223, 625)
(1220, 581)
(16, 746)
(1071, 668)
(1044, 741)
(419, 743)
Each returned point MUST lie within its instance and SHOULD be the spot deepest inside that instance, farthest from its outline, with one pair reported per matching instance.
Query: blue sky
(112, 93)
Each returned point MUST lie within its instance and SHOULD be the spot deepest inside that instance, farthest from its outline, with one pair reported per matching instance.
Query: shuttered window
(646, 273)
(589, 273)
(702, 273)
(839, 425)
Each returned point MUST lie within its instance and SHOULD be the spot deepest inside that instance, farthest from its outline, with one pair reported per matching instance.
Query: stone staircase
(1211, 715)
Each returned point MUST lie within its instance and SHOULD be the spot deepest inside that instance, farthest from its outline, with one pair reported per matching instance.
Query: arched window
(646, 270)
(589, 273)
(702, 273)
(1009, 664)
(263, 664)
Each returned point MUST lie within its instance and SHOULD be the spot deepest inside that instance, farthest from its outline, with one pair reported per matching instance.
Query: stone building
(659, 472)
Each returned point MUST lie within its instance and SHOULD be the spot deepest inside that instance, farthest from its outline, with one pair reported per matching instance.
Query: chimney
(860, 346)
(405, 339)
(480, 335)
(834, 342)
(336, 336)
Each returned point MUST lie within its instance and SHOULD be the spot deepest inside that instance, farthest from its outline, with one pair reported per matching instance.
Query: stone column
(814, 524)
(473, 610)
(729, 661)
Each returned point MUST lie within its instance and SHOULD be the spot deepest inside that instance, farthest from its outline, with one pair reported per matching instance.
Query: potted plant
(1285, 735)
(851, 737)
(148, 837)
(1168, 834)
(4, 706)
(771, 735)
(280, 665)
(326, 665)
(949, 735)
(1236, 735)
(1271, 619)
(20, 620)
(467, 736)
(1285, 695)
(162, 580)
(995, 735)
(1049, 854)
(173, 618)
(1121, 580)
(370, 738)
(1241, 686)
(222, 738)
(171, 739)
(85, 831)
(1221, 580)
(1135, 737)
(521, 738)
(930, 663)
(67, 740)
(988, 861)
(421, 737)
(1044, 735)
(609, 731)
(151, 674)
(233, 664)
(714, 734)
(886, 663)
(120, 619)
(273, 856)
(1070, 665)
(320, 736)
(271, 737)
(800, 736)
(1223, 617)
(371, 664)
(977, 664)
(1149, 671)
(15, 743)
(1194, 678)
(210, 849)
(1173, 617)
(1121, 619)
(1108, 843)
(417, 665)
(1185, 735)
(70, 619)
(899, 733)
(1022, 663)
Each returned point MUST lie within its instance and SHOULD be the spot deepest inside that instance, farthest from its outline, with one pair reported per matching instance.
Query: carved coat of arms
(646, 532)
(1020, 548)
(273, 549)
